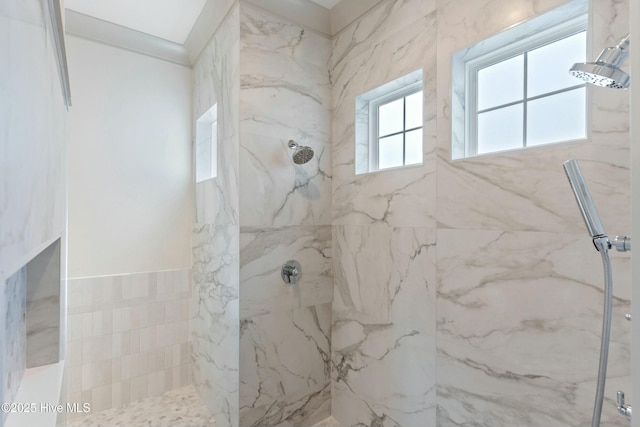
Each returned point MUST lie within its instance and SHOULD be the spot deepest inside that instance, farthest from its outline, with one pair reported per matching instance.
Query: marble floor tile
(177, 408)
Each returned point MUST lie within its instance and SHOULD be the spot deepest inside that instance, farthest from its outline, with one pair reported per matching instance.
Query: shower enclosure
(502, 307)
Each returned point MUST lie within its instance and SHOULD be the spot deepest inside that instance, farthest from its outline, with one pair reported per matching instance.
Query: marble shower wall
(285, 213)
(32, 137)
(383, 330)
(520, 286)
(13, 326)
(32, 165)
(216, 233)
(515, 281)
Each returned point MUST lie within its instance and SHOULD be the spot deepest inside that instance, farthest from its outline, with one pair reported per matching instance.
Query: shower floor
(177, 408)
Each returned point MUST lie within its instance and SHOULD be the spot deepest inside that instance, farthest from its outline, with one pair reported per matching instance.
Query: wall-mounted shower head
(583, 197)
(301, 154)
(606, 70)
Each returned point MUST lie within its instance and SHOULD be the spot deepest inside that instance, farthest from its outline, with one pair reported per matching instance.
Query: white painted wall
(130, 191)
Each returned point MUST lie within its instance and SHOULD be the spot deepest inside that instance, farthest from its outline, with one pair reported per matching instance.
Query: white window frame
(207, 134)
(374, 120)
(524, 46)
(365, 106)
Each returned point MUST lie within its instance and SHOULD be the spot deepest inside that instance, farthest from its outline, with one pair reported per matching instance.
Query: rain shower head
(583, 197)
(301, 155)
(605, 71)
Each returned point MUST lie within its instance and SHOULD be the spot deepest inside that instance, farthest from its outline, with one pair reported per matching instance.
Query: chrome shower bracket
(622, 243)
(622, 408)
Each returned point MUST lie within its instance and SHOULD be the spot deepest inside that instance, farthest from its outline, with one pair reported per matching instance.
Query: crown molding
(88, 27)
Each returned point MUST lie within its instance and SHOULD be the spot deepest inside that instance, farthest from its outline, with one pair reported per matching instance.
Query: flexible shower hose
(603, 247)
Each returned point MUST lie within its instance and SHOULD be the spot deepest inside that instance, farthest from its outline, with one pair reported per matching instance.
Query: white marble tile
(14, 335)
(262, 254)
(215, 319)
(277, 192)
(285, 95)
(519, 322)
(285, 367)
(527, 189)
(32, 147)
(214, 308)
(384, 361)
(401, 197)
(381, 22)
(285, 65)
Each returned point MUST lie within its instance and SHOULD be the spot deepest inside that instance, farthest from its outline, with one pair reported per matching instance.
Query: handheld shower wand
(583, 197)
(602, 244)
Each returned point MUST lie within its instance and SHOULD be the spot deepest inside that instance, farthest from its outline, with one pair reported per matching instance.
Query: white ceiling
(168, 19)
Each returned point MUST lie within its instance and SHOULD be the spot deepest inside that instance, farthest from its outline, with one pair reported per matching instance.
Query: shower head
(606, 70)
(583, 197)
(301, 155)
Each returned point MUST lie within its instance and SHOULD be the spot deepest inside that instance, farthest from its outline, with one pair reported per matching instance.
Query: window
(520, 94)
(389, 125)
(206, 152)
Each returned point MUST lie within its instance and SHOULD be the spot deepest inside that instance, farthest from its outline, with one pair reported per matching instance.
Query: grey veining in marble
(383, 349)
(262, 253)
(371, 52)
(285, 367)
(14, 335)
(285, 213)
(519, 292)
(525, 189)
(215, 292)
(519, 321)
(284, 94)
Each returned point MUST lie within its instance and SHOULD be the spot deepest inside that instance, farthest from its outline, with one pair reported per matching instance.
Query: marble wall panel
(215, 286)
(383, 371)
(32, 137)
(518, 329)
(285, 366)
(527, 189)
(285, 213)
(285, 95)
(215, 319)
(277, 192)
(263, 251)
(14, 336)
(403, 197)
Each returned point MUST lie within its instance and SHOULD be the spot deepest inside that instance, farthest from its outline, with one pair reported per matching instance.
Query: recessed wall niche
(43, 307)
